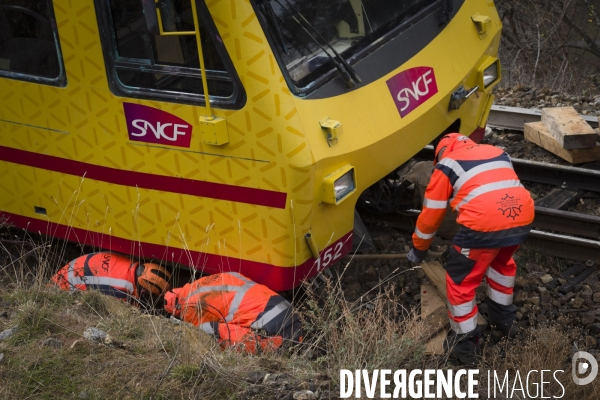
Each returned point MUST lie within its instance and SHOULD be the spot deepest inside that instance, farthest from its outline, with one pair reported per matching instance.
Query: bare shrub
(553, 44)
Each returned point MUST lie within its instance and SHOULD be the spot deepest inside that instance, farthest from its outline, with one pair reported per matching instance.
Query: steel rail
(559, 175)
(569, 222)
(548, 219)
(504, 117)
(569, 247)
(551, 174)
(548, 243)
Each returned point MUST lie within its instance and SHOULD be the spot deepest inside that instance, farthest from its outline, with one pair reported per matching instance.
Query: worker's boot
(503, 318)
(466, 348)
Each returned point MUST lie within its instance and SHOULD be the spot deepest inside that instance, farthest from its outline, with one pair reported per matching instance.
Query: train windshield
(308, 33)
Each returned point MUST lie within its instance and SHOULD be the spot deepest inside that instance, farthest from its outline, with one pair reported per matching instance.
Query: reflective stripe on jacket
(111, 274)
(481, 186)
(232, 299)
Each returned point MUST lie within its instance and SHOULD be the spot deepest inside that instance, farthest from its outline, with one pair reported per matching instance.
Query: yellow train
(107, 138)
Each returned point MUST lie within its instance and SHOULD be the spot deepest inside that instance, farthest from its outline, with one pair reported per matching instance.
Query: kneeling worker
(115, 275)
(494, 212)
(237, 311)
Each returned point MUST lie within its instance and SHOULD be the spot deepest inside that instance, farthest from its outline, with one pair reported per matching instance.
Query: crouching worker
(237, 311)
(117, 276)
(494, 212)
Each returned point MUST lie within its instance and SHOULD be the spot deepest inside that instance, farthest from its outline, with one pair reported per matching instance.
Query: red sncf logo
(411, 88)
(151, 125)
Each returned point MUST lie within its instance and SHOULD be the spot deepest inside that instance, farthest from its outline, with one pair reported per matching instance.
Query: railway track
(558, 233)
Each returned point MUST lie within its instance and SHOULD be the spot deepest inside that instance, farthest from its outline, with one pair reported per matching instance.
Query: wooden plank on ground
(568, 128)
(435, 314)
(437, 275)
(536, 132)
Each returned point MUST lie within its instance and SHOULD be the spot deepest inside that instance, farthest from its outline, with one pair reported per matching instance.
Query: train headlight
(339, 185)
(489, 74)
(344, 185)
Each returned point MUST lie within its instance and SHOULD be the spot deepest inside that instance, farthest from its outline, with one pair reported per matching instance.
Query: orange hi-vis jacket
(481, 186)
(234, 309)
(111, 274)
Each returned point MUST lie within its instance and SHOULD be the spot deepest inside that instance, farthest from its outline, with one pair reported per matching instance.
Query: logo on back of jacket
(411, 88)
(509, 206)
(151, 125)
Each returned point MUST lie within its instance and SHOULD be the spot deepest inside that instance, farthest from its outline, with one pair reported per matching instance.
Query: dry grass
(150, 357)
(548, 348)
(365, 334)
(144, 359)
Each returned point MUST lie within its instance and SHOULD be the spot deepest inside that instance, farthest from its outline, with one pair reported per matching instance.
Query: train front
(374, 82)
(312, 102)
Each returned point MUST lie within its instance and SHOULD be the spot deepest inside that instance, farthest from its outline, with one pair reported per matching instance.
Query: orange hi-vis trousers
(465, 269)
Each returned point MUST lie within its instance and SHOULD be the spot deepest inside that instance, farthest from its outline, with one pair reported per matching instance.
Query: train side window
(144, 65)
(29, 45)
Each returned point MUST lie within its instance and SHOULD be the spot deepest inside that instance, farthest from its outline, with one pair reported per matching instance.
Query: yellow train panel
(72, 166)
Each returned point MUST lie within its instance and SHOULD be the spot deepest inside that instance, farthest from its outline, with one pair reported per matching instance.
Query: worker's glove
(415, 256)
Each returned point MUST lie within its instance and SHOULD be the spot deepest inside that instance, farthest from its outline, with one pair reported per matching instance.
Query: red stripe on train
(261, 197)
(276, 278)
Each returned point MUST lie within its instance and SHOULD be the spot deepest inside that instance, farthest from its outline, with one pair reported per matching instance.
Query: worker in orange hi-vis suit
(237, 311)
(115, 275)
(494, 212)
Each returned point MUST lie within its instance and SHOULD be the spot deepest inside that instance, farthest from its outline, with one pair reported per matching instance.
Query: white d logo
(590, 365)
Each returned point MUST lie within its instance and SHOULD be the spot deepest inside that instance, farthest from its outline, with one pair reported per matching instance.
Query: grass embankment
(149, 356)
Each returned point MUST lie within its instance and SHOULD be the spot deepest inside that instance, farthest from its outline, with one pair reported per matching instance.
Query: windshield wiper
(347, 66)
(348, 74)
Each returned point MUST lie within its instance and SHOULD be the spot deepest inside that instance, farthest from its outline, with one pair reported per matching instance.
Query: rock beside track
(527, 97)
